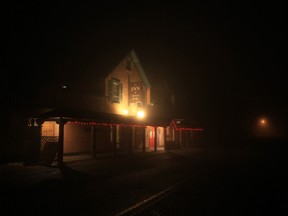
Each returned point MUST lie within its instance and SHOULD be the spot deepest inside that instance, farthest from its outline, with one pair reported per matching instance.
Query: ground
(199, 181)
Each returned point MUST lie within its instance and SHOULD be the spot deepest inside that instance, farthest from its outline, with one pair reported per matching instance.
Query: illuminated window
(50, 128)
(115, 91)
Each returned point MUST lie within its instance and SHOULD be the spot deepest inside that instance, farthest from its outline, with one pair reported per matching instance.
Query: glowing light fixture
(140, 114)
(125, 112)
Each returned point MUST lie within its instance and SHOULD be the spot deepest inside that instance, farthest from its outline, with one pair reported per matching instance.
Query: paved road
(192, 182)
(253, 184)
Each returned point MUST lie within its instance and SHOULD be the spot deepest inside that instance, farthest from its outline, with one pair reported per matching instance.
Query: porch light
(125, 112)
(140, 114)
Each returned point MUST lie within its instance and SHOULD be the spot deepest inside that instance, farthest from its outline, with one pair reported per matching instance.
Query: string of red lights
(177, 128)
(104, 124)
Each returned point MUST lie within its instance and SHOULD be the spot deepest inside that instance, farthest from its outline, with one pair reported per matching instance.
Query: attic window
(115, 91)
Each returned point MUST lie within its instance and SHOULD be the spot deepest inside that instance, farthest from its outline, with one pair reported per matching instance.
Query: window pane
(115, 90)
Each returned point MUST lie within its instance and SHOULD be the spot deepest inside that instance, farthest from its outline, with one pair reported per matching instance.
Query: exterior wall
(125, 139)
(138, 138)
(125, 76)
(102, 139)
(77, 139)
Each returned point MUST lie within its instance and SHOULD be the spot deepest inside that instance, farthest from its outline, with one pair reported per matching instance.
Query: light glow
(125, 112)
(263, 122)
(140, 114)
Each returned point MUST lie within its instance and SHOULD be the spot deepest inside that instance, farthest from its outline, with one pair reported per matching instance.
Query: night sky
(225, 63)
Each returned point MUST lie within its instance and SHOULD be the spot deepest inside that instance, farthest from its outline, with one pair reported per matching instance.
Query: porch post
(61, 123)
(39, 123)
(155, 138)
(93, 141)
(180, 139)
(113, 140)
(164, 138)
(144, 140)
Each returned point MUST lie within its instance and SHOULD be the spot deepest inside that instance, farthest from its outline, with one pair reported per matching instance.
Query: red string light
(185, 128)
(93, 123)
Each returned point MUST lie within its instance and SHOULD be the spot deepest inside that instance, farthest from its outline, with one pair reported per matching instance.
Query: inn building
(106, 111)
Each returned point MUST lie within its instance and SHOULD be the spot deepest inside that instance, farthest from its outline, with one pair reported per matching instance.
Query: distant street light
(263, 122)
(264, 127)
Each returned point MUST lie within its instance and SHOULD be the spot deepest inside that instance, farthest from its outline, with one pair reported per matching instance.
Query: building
(106, 111)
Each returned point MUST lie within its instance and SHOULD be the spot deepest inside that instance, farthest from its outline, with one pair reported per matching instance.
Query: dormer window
(115, 91)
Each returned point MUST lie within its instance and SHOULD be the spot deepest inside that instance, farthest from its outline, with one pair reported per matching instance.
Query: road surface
(202, 181)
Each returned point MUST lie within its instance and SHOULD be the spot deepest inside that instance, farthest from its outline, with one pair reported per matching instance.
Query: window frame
(115, 90)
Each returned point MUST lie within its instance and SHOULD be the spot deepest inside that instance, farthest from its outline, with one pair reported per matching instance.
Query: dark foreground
(202, 181)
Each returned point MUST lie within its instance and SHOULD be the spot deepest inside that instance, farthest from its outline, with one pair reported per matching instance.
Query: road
(202, 181)
(254, 183)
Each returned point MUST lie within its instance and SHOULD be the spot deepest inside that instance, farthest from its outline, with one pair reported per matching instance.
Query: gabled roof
(139, 67)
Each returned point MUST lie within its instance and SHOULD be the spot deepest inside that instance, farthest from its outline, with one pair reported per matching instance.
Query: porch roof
(108, 118)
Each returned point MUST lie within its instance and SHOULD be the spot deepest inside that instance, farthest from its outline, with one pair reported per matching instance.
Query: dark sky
(224, 62)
